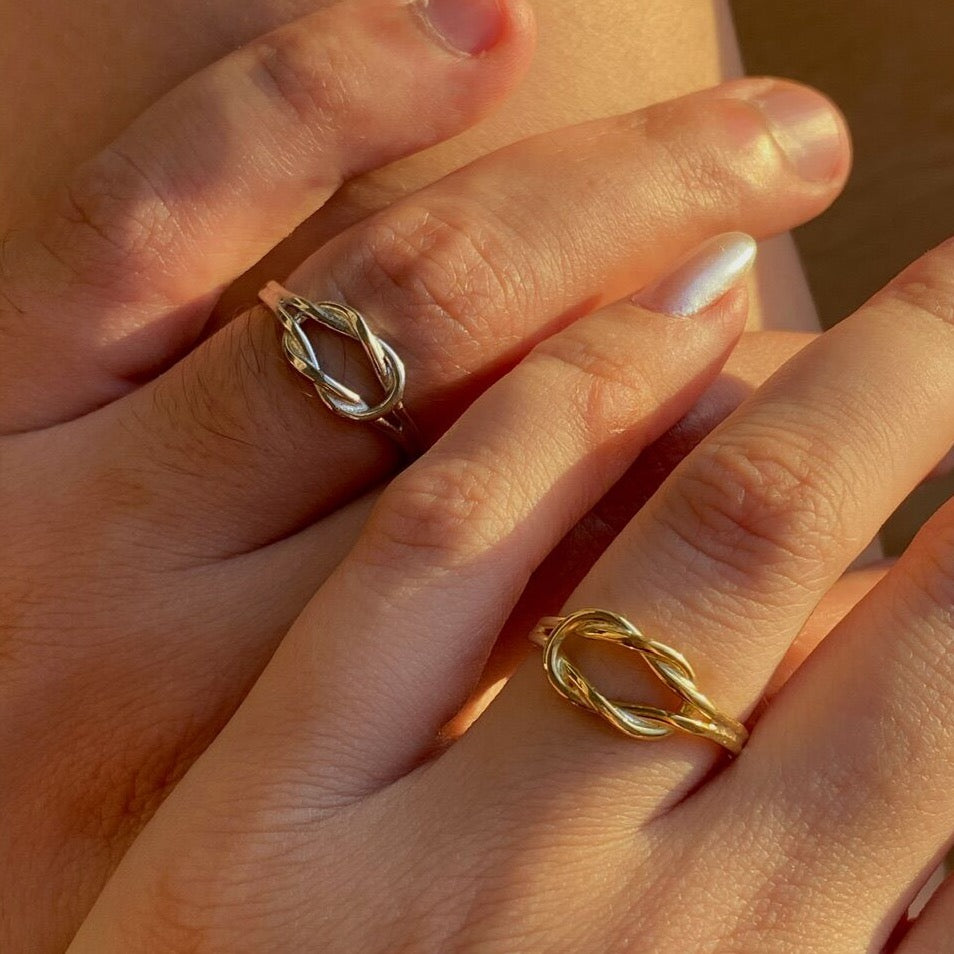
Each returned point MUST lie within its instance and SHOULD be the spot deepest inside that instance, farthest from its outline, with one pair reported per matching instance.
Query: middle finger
(462, 279)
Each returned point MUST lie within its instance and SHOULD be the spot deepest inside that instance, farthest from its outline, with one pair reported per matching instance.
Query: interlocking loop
(697, 714)
(294, 312)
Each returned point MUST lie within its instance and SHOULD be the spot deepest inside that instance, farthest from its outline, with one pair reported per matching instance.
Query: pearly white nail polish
(707, 274)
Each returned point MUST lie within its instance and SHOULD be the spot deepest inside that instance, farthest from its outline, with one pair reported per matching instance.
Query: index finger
(147, 234)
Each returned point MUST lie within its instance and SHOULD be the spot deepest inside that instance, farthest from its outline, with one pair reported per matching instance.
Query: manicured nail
(702, 278)
(467, 26)
(807, 129)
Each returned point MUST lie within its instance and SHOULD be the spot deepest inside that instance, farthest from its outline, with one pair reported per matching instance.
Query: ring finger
(462, 279)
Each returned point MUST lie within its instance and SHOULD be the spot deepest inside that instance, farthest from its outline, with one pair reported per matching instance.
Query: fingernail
(703, 277)
(807, 129)
(467, 26)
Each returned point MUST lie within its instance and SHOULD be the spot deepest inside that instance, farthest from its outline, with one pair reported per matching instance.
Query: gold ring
(388, 413)
(697, 715)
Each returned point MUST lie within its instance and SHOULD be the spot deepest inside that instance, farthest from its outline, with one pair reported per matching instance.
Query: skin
(321, 818)
(80, 96)
(211, 478)
(150, 679)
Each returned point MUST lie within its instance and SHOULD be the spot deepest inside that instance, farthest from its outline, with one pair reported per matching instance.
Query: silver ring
(387, 414)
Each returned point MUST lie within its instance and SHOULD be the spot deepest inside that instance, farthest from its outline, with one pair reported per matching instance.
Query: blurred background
(893, 76)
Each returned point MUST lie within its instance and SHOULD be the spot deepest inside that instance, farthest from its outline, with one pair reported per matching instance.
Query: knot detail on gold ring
(697, 715)
(293, 312)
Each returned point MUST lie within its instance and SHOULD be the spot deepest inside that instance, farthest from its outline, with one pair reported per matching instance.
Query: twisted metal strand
(697, 715)
(293, 312)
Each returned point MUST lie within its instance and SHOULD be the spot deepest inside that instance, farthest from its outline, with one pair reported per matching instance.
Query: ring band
(388, 414)
(697, 715)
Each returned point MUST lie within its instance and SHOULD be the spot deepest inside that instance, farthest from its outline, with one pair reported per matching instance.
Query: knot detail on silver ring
(697, 715)
(294, 312)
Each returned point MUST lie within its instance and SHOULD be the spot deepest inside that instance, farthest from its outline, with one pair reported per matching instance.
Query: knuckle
(606, 391)
(785, 907)
(693, 181)
(749, 510)
(122, 209)
(110, 233)
(440, 514)
(692, 162)
(453, 269)
(307, 74)
(926, 289)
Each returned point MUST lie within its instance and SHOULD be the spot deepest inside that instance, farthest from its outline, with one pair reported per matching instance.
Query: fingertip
(709, 280)
(806, 124)
(488, 46)
(478, 28)
(520, 25)
(514, 44)
(810, 129)
(469, 27)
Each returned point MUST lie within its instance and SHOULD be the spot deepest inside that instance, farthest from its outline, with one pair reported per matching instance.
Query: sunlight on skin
(83, 71)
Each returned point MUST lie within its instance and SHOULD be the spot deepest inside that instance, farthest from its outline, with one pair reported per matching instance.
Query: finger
(453, 540)
(461, 279)
(293, 561)
(732, 555)
(836, 604)
(933, 929)
(860, 739)
(565, 568)
(753, 360)
(193, 657)
(202, 185)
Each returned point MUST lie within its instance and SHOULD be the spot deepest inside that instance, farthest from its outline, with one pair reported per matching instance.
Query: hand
(322, 820)
(592, 60)
(163, 528)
